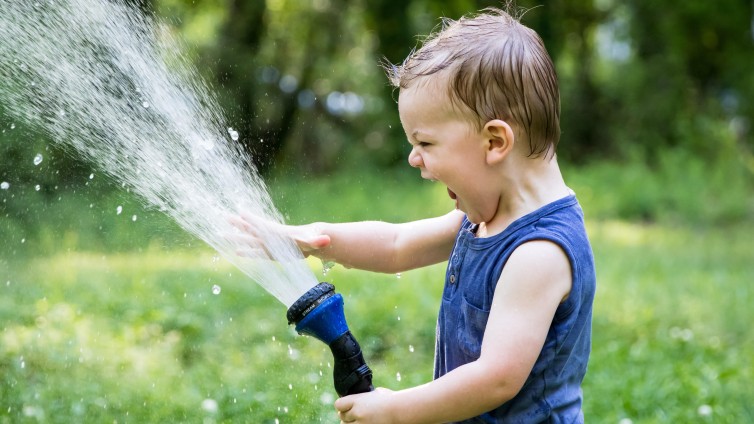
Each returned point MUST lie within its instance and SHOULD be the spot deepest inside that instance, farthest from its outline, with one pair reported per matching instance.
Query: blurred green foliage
(641, 82)
(635, 76)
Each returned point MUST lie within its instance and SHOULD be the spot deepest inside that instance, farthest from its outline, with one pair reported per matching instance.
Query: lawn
(138, 335)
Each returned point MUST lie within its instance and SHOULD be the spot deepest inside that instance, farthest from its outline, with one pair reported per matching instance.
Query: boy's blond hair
(498, 69)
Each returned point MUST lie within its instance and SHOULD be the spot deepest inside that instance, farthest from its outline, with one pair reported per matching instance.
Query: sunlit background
(109, 312)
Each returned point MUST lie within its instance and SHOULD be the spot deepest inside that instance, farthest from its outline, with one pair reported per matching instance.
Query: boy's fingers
(248, 245)
(251, 252)
(255, 221)
(244, 239)
(237, 222)
(256, 230)
(344, 404)
(251, 219)
(251, 225)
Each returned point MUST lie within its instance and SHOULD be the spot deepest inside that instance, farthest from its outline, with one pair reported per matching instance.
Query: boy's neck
(527, 185)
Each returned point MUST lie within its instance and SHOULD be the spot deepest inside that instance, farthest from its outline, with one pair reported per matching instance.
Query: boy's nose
(415, 159)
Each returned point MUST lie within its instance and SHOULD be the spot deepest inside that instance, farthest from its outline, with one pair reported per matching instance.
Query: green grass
(142, 338)
(672, 324)
(94, 333)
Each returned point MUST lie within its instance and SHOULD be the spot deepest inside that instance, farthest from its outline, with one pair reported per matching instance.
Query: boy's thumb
(320, 241)
(344, 404)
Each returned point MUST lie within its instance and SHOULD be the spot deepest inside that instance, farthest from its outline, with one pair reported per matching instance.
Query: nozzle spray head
(319, 313)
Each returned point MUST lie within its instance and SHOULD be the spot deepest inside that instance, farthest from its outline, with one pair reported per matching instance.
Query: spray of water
(110, 83)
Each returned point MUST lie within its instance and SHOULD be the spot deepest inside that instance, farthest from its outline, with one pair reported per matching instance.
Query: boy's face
(448, 148)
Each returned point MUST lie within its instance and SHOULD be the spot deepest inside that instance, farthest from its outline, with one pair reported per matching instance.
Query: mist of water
(110, 83)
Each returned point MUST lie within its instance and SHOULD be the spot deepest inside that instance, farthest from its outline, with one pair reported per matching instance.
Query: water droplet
(38, 159)
(687, 335)
(411, 348)
(215, 259)
(4, 185)
(118, 210)
(399, 317)
(398, 275)
(133, 218)
(327, 398)
(290, 387)
(216, 289)
(209, 405)
(91, 176)
(327, 266)
(146, 105)
(35, 412)
(398, 376)
(704, 410)
(233, 134)
(12, 126)
(683, 334)
(37, 187)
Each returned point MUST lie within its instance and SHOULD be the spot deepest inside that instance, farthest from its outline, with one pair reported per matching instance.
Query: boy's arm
(369, 245)
(385, 247)
(535, 280)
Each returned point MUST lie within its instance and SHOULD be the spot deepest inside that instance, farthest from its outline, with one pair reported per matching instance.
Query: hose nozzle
(319, 313)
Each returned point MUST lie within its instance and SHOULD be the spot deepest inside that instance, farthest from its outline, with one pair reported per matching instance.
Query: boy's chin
(473, 220)
(475, 217)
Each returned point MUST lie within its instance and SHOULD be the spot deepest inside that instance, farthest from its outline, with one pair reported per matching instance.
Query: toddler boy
(479, 103)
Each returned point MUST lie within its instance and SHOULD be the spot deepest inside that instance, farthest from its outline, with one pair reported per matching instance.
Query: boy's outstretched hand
(372, 407)
(253, 229)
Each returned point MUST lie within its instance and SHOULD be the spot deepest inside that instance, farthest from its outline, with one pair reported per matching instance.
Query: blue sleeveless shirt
(552, 392)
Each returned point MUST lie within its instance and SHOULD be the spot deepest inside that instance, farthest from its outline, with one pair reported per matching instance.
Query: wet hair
(496, 68)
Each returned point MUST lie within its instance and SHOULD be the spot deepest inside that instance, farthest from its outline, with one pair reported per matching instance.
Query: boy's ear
(500, 140)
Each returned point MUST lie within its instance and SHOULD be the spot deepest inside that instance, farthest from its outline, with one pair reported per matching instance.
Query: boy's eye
(422, 144)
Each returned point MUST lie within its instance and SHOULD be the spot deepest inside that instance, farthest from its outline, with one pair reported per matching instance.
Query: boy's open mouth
(453, 196)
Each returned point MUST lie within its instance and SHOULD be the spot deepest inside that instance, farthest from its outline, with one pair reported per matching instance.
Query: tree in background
(293, 75)
(689, 73)
(635, 75)
(301, 81)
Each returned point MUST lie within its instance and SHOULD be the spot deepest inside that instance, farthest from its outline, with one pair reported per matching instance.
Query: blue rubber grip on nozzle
(326, 322)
